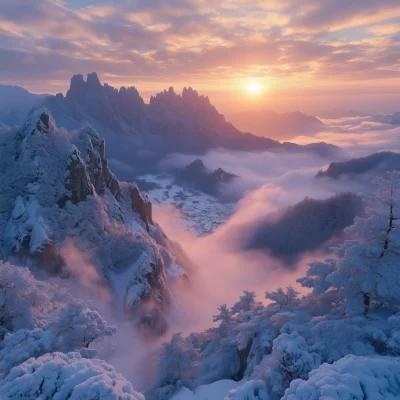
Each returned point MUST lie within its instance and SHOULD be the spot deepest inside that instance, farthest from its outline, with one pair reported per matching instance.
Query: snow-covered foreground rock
(59, 376)
(216, 391)
(198, 211)
(351, 377)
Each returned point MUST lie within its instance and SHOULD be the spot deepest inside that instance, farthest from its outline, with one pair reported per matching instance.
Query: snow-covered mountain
(63, 211)
(16, 103)
(276, 126)
(171, 122)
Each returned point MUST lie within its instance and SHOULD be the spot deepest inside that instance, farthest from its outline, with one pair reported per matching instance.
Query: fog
(358, 136)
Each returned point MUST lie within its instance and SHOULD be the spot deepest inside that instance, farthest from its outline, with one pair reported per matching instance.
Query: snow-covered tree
(350, 377)
(251, 390)
(291, 358)
(177, 364)
(368, 267)
(224, 319)
(59, 376)
(37, 317)
(284, 342)
(288, 299)
(246, 302)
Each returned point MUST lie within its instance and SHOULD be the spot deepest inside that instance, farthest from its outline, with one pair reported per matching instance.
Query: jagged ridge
(171, 122)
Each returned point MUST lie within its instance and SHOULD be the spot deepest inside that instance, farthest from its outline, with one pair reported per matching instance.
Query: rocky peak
(77, 180)
(96, 162)
(93, 81)
(142, 205)
(196, 166)
(130, 95)
(77, 87)
(39, 121)
(220, 175)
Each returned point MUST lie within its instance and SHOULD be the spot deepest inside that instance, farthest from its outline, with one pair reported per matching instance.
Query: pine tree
(367, 269)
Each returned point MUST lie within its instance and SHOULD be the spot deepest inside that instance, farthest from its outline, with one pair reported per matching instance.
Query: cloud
(331, 15)
(199, 37)
(359, 136)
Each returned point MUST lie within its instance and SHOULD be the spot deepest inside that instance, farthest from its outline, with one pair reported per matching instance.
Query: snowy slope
(199, 212)
(214, 391)
(16, 103)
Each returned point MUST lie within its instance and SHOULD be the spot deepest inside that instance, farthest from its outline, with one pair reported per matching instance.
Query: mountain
(197, 176)
(303, 227)
(276, 126)
(15, 104)
(368, 167)
(63, 212)
(171, 122)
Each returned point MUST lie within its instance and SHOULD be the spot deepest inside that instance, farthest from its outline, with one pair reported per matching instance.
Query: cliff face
(60, 198)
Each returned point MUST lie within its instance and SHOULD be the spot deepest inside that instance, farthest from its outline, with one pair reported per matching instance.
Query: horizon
(306, 56)
(254, 103)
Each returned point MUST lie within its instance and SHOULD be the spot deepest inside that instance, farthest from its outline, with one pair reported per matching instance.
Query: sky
(305, 55)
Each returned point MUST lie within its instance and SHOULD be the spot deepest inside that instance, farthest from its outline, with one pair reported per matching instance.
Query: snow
(351, 377)
(251, 390)
(214, 391)
(59, 376)
(99, 234)
(351, 318)
(199, 212)
(39, 317)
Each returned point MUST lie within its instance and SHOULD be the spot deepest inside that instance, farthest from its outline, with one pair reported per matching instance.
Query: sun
(254, 87)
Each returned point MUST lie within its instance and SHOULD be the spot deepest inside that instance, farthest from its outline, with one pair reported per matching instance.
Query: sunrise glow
(254, 87)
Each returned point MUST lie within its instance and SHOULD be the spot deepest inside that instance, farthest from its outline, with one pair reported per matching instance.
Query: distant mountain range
(15, 104)
(367, 167)
(276, 126)
(171, 122)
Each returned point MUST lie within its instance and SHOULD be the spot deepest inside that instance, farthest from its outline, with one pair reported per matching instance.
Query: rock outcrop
(142, 205)
(77, 181)
(100, 176)
(199, 177)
